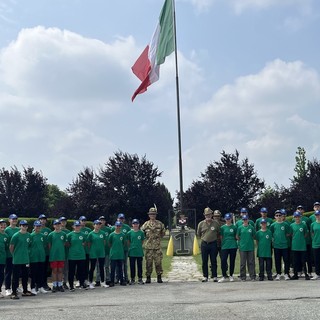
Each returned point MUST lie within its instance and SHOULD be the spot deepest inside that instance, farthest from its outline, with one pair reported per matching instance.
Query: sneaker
(54, 289)
(215, 279)
(14, 296)
(300, 274)
(91, 286)
(47, 288)
(61, 289)
(43, 290)
(270, 278)
(111, 284)
(19, 290)
(286, 277)
(71, 289)
(277, 278)
(123, 283)
(204, 280)
(261, 278)
(85, 287)
(231, 279)
(65, 286)
(307, 277)
(295, 277)
(105, 285)
(223, 279)
(8, 292)
(315, 277)
(132, 282)
(28, 294)
(97, 284)
(140, 281)
(34, 291)
(253, 279)
(78, 285)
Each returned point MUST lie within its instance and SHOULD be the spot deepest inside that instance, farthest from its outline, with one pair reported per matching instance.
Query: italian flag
(147, 66)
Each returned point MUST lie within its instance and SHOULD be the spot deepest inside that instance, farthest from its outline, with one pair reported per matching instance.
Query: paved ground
(174, 299)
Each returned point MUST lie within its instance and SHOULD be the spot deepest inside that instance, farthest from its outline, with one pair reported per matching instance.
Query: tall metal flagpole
(178, 107)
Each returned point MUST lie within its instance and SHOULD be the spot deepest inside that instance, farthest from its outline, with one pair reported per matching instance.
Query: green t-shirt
(280, 230)
(307, 222)
(136, 239)
(107, 231)
(57, 241)
(228, 234)
(116, 243)
(96, 242)
(76, 242)
(66, 231)
(315, 234)
(37, 252)
(125, 228)
(45, 231)
(312, 218)
(239, 223)
(246, 235)
(299, 233)
(86, 231)
(21, 242)
(10, 232)
(269, 223)
(4, 245)
(264, 239)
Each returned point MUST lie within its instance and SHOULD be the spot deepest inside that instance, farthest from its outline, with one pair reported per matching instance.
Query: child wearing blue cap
(229, 247)
(136, 238)
(117, 241)
(264, 252)
(85, 230)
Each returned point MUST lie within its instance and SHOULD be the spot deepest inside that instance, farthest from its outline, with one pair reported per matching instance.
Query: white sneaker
(43, 290)
(315, 277)
(286, 277)
(215, 279)
(34, 291)
(91, 286)
(104, 285)
(300, 274)
(19, 290)
(223, 279)
(231, 278)
(277, 278)
(8, 292)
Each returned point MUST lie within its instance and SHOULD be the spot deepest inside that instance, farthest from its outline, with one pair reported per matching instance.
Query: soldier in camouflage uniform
(154, 231)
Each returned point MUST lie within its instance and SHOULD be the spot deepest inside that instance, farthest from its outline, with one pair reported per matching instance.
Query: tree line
(130, 184)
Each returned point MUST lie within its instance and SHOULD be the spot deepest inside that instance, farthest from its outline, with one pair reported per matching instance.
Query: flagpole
(178, 107)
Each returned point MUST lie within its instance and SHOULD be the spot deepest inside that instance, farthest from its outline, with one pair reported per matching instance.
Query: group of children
(295, 243)
(70, 254)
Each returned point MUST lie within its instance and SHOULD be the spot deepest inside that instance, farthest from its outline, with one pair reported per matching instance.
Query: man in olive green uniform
(209, 232)
(154, 231)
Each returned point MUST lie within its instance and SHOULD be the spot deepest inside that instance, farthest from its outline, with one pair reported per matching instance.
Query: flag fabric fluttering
(147, 66)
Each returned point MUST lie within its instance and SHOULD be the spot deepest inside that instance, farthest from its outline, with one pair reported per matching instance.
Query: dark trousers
(92, 267)
(17, 271)
(316, 255)
(116, 266)
(8, 273)
(37, 269)
(45, 274)
(309, 258)
(247, 259)
(86, 271)
(209, 250)
(225, 253)
(265, 264)
(79, 266)
(1, 274)
(133, 261)
(284, 254)
(299, 261)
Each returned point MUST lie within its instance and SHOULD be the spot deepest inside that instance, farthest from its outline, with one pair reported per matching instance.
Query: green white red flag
(147, 66)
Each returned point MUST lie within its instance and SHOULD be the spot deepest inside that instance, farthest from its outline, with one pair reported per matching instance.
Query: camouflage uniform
(154, 231)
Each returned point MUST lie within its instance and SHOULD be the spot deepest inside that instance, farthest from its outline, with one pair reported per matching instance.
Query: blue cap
(82, 218)
(77, 223)
(228, 216)
(2, 221)
(121, 216)
(283, 212)
(37, 223)
(263, 221)
(42, 216)
(316, 203)
(63, 219)
(297, 214)
(300, 207)
(96, 222)
(317, 213)
(244, 217)
(118, 223)
(243, 210)
(263, 209)
(102, 218)
(23, 222)
(56, 221)
(135, 221)
(13, 216)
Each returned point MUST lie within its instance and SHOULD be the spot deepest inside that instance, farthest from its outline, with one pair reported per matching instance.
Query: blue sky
(249, 73)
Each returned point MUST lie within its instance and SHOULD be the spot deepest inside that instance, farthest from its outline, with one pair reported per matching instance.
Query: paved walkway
(184, 269)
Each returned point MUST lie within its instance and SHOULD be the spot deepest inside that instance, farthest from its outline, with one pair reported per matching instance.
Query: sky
(249, 76)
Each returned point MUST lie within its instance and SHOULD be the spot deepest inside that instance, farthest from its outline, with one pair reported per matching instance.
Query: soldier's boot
(148, 279)
(159, 280)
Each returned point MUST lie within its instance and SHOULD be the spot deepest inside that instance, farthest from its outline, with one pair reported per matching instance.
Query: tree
(301, 168)
(226, 185)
